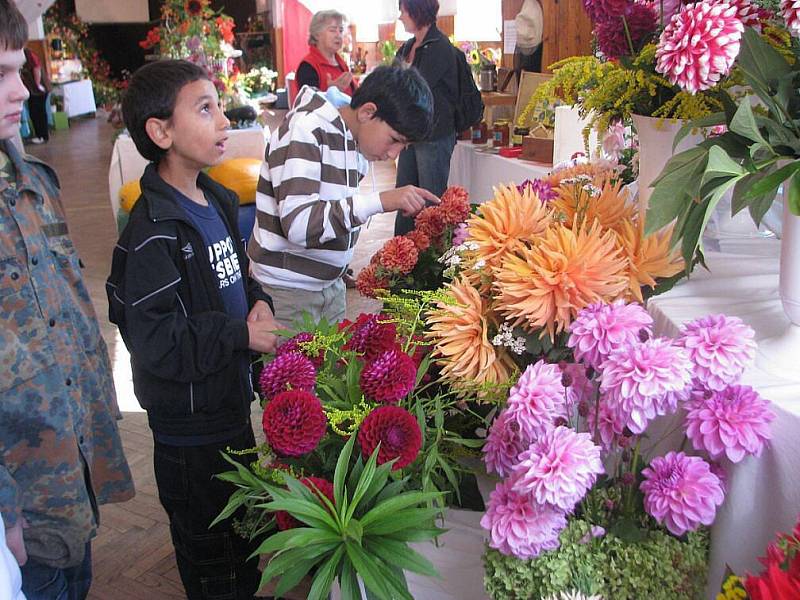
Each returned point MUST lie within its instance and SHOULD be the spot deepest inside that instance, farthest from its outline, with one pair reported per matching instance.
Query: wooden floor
(132, 555)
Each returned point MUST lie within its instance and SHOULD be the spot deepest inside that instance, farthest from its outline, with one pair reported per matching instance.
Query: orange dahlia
(595, 170)
(399, 254)
(420, 239)
(455, 205)
(368, 281)
(430, 221)
(195, 8)
(606, 203)
(649, 257)
(459, 334)
(505, 223)
(546, 285)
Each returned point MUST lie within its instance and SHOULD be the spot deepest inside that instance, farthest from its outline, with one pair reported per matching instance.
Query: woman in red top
(323, 67)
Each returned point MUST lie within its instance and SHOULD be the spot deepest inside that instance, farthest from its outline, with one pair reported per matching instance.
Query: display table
(128, 165)
(763, 492)
(478, 171)
(78, 97)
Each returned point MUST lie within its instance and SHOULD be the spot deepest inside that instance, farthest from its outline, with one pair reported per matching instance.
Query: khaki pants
(291, 303)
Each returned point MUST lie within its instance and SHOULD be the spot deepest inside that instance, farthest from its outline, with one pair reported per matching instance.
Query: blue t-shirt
(221, 254)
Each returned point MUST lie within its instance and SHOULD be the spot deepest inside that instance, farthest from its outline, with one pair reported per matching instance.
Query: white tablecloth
(764, 492)
(128, 165)
(78, 97)
(478, 172)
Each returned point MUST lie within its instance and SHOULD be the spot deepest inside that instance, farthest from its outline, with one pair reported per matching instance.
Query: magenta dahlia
(669, 8)
(317, 485)
(396, 430)
(681, 492)
(537, 399)
(505, 442)
(610, 424)
(643, 380)
(389, 377)
(542, 189)
(559, 468)
(290, 371)
(790, 11)
(294, 422)
(601, 327)
(748, 12)
(699, 45)
(605, 10)
(518, 526)
(720, 347)
(371, 335)
(293, 345)
(612, 39)
(733, 422)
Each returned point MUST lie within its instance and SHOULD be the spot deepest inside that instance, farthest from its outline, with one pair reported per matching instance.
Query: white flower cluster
(578, 179)
(572, 596)
(505, 337)
(593, 190)
(452, 258)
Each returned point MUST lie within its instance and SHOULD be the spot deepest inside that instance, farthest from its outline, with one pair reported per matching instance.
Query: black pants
(37, 108)
(212, 562)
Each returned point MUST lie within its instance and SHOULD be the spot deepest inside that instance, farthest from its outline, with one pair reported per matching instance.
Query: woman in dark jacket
(427, 164)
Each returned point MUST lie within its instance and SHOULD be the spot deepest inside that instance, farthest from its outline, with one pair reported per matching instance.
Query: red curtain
(296, 19)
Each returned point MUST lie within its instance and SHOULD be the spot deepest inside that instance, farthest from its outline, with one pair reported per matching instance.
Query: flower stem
(628, 35)
(631, 489)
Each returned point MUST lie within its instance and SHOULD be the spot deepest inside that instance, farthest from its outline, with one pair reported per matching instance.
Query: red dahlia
(293, 345)
(289, 371)
(455, 205)
(371, 336)
(397, 432)
(285, 520)
(420, 239)
(430, 222)
(294, 422)
(368, 282)
(389, 377)
(399, 254)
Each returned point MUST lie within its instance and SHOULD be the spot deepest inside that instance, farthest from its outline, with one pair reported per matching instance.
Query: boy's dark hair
(403, 98)
(152, 93)
(13, 28)
(422, 12)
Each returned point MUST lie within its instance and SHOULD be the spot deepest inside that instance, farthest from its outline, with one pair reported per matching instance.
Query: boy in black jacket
(189, 325)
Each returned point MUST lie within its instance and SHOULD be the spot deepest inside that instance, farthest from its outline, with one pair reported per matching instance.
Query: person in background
(60, 451)
(10, 577)
(427, 163)
(528, 52)
(37, 86)
(323, 66)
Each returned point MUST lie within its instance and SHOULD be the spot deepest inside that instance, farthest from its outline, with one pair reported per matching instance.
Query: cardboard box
(537, 149)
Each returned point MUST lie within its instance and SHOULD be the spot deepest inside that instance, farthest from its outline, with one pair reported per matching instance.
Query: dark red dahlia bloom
(293, 345)
(605, 10)
(371, 336)
(612, 41)
(285, 520)
(396, 430)
(287, 371)
(389, 377)
(294, 422)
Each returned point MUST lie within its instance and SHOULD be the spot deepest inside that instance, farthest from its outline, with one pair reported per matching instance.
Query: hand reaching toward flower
(261, 325)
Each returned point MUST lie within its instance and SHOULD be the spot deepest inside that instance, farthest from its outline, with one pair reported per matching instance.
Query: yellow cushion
(129, 194)
(239, 175)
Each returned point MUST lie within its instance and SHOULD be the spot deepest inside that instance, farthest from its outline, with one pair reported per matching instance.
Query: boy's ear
(366, 111)
(158, 131)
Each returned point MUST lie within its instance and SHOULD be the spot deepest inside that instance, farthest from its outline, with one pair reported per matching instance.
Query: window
(478, 21)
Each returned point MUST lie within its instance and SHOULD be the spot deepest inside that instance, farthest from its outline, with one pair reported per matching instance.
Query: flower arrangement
(258, 80)
(477, 57)
(191, 30)
(533, 257)
(572, 449)
(411, 261)
(780, 578)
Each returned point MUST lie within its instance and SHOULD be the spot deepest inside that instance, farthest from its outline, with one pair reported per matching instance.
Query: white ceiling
(33, 9)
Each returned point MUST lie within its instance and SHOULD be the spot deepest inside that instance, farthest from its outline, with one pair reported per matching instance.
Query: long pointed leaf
(323, 580)
(395, 504)
(348, 582)
(410, 518)
(341, 471)
(400, 555)
(293, 576)
(308, 512)
(369, 571)
(296, 538)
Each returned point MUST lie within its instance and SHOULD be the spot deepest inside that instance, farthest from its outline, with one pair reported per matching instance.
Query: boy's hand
(342, 82)
(16, 543)
(261, 325)
(409, 199)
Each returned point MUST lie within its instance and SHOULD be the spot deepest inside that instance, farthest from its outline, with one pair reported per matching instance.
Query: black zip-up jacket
(436, 62)
(189, 358)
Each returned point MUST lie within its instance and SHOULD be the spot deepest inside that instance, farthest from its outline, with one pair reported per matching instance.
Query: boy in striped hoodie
(310, 211)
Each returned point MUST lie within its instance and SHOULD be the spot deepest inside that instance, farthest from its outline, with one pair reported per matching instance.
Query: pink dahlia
(599, 328)
(539, 187)
(371, 335)
(537, 399)
(734, 422)
(790, 11)
(318, 486)
(520, 527)
(460, 234)
(289, 371)
(612, 40)
(294, 422)
(396, 430)
(389, 377)
(699, 45)
(681, 492)
(293, 345)
(558, 469)
(579, 386)
(720, 347)
(644, 380)
(610, 424)
(605, 10)
(669, 8)
(505, 442)
(748, 12)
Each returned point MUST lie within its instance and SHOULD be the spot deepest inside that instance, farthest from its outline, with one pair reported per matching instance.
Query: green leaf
(769, 184)
(400, 555)
(309, 513)
(720, 165)
(348, 582)
(744, 123)
(237, 499)
(672, 187)
(628, 531)
(392, 505)
(341, 471)
(467, 443)
(354, 530)
(296, 538)
(712, 120)
(793, 194)
(408, 518)
(391, 490)
(416, 535)
(378, 483)
(280, 562)
(759, 207)
(363, 483)
(761, 65)
(451, 477)
(369, 570)
(294, 575)
(323, 579)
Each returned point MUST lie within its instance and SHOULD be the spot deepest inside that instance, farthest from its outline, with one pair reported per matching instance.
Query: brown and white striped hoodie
(309, 209)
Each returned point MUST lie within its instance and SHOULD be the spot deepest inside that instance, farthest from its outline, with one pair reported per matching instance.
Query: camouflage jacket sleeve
(10, 502)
